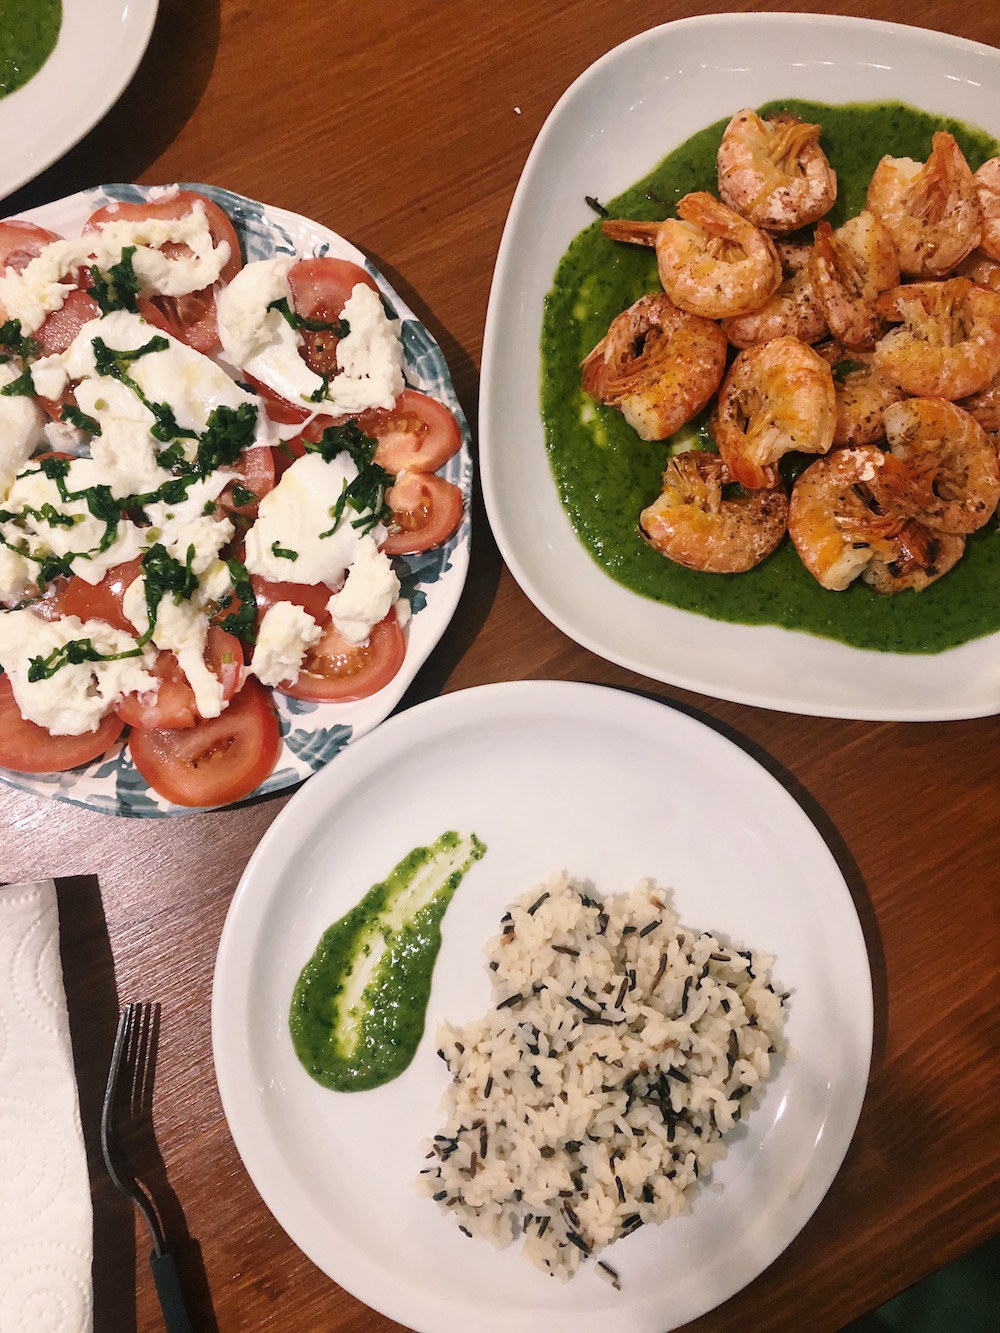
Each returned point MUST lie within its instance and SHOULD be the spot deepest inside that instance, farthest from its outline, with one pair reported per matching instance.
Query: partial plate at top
(98, 49)
(613, 125)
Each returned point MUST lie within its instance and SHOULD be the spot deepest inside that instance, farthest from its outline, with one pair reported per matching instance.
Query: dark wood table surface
(404, 126)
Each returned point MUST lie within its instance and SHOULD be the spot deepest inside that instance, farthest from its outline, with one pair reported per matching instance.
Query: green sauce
(358, 1008)
(606, 475)
(28, 32)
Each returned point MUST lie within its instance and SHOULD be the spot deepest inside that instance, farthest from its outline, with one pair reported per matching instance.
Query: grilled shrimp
(931, 209)
(956, 481)
(793, 310)
(843, 523)
(774, 172)
(987, 180)
(711, 261)
(980, 268)
(657, 365)
(775, 398)
(948, 345)
(850, 269)
(985, 407)
(696, 525)
(863, 394)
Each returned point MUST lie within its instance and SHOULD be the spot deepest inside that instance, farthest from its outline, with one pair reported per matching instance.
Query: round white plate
(99, 47)
(621, 117)
(610, 787)
(312, 733)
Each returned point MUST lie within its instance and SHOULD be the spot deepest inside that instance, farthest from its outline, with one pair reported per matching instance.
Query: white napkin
(46, 1217)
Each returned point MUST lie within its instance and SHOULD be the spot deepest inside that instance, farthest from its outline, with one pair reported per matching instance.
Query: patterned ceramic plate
(313, 733)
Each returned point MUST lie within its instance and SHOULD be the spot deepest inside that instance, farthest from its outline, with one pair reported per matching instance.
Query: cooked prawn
(658, 365)
(987, 180)
(711, 261)
(775, 398)
(863, 394)
(980, 268)
(956, 481)
(695, 524)
(774, 172)
(949, 342)
(850, 269)
(843, 523)
(793, 310)
(930, 209)
(985, 407)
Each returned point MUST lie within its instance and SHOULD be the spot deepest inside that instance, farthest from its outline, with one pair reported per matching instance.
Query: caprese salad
(206, 469)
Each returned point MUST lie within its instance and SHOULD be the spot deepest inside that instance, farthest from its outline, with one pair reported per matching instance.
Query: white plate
(614, 124)
(607, 786)
(99, 46)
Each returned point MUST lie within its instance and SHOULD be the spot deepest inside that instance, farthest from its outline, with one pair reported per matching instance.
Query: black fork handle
(168, 1288)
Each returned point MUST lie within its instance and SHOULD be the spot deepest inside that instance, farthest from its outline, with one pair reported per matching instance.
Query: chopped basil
(119, 287)
(79, 419)
(242, 496)
(48, 513)
(13, 340)
(283, 553)
(844, 368)
(112, 362)
(164, 575)
(366, 493)
(208, 508)
(72, 654)
(339, 326)
(241, 622)
(22, 387)
(322, 392)
(229, 430)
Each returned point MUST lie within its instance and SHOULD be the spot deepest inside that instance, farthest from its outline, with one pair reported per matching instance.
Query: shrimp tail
(630, 230)
(790, 138)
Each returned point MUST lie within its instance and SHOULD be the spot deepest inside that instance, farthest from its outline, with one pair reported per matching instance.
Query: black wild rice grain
(648, 930)
(678, 1074)
(465, 1231)
(537, 904)
(720, 957)
(622, 993)
(578, 1241)
(542, 1226)
(441, 1194)
(564, 948)
(621, 1189)
(684, 994)
(489, 1086)
(597, 207)
(511, 999)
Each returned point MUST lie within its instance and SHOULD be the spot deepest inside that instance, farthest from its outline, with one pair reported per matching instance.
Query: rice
(593, 1097)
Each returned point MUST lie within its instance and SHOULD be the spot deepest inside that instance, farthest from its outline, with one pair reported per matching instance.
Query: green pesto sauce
(358, 1009)
(606, 475)
(28, 32)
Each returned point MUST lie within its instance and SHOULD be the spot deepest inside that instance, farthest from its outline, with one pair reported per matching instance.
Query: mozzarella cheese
(20, 428)
(371, 589)
(285, 633)
(74, 699)
(370, 357)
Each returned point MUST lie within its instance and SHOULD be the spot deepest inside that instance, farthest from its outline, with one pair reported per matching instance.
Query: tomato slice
(26, 747)
(101, 601)
(416, 434)
(426, 510)
(312, 597)
(21, 241)
(277, 408)
(320, 289)
(218, 760)
(173, 702)
(338, 669)
(190, 318)
(62, 326)
(254, 472)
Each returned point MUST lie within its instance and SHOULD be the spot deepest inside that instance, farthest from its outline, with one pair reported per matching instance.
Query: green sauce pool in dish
(606, 475)
(28, 33)
(358, 1008)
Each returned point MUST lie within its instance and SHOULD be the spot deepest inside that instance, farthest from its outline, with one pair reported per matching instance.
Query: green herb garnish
(339, 326)
(117, 289)
(79, 419)
(13, 340)
(283, 553)
(22, 387)
(366, 493)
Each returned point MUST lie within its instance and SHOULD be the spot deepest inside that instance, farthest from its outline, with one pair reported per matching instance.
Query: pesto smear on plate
(28, 32)
(606, 475)
(358, 1008)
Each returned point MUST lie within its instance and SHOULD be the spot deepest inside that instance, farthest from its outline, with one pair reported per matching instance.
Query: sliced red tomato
(338, 669)
(426, 510)
(218, 760)
(190, 318)
(173, 704)
(101, 601)
(62, 326)
(255, 473)
(320, 288)
(312, 597)
(21, 241)
(416, 434)
(26, 747)
(277, 408)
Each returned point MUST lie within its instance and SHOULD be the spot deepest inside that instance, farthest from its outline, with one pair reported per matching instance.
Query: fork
(129, 1097)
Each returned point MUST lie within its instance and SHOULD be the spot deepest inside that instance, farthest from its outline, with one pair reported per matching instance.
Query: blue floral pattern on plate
(312, 733)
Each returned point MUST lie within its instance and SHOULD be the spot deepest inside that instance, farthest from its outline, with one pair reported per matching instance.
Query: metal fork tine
(129, 1041)
(141, 1055)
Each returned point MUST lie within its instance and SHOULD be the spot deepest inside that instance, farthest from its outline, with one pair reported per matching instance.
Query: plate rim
(895, 710)
(245, 915)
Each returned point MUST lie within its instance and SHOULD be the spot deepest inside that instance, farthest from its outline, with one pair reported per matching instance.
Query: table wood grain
(404, 126)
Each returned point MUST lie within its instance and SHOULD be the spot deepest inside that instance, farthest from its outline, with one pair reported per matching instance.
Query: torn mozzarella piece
(370, 591)
(370, 357)
(286, 632)
(21, 430)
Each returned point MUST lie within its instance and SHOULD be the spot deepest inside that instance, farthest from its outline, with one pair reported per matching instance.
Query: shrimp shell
(657, 365)
(956, 485)
(774, 172)
(863, 394)
(920, 556)
(850, 269)
(775, 398)
(695, 525)
(711, 261)
(930, 209)
(949, 342)
(987, 180)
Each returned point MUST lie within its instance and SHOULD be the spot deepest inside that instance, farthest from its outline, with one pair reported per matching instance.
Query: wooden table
(404, 126)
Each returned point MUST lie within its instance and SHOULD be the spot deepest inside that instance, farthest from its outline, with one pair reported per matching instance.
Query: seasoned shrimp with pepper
(987, 180)
(863, 394)
(695, 523)
(849, 270)
(657, 365)
(711, 261)
(955, 484)
(775, 398)
(930, 209)
(774, 172)
(947, 344)
(794, 310)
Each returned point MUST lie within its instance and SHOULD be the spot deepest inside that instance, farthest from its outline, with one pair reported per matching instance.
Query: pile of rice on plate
(594, 1095)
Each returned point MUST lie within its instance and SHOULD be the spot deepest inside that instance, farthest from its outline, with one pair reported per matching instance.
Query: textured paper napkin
(46, 1217)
